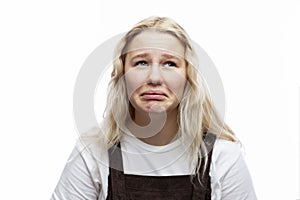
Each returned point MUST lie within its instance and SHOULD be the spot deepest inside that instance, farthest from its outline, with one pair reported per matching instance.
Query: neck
(155, 128)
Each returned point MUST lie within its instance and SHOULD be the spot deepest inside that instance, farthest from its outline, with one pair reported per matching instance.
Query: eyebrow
(141, 55)
(144, 55)
(168, 56)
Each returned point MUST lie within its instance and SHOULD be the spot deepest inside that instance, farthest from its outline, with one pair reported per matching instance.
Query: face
(155, 72)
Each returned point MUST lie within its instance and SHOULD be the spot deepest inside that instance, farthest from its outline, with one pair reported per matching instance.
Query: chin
(155, 108)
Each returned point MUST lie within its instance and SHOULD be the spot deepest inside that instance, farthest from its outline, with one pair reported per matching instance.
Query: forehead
(152, 39)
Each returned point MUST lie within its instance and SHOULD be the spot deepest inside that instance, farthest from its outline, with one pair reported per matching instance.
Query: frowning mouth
(153, 95)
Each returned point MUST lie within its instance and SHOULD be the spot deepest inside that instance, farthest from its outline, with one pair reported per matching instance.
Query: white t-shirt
(85, 176)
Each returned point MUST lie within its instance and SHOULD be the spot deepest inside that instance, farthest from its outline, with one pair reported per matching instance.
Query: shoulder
(225, 155)
(226, 150)
(92, 147)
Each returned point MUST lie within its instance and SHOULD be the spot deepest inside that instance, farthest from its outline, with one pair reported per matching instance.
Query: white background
(255, 46)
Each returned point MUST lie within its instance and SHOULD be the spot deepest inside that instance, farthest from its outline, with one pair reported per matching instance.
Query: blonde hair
(197, 115)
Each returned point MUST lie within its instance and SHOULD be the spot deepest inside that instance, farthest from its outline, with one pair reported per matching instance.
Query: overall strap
(116, 171)
(203, 190)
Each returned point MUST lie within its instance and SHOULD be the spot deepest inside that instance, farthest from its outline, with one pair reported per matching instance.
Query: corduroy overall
(137, 187)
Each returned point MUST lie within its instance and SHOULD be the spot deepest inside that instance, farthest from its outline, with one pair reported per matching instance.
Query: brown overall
(136, 187)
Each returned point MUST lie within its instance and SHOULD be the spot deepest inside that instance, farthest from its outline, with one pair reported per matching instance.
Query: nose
(155, 76)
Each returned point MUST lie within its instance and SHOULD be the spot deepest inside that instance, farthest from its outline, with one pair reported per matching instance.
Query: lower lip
(157, 97)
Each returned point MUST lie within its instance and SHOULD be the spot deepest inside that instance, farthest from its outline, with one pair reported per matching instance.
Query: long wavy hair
(196, 112)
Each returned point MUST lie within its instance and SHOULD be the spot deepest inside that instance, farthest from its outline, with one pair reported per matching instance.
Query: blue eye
(141, 63)
(170, 64)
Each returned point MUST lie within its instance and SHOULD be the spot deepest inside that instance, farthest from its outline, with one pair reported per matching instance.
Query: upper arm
(232, 178)
(78, 180)
(236, 182)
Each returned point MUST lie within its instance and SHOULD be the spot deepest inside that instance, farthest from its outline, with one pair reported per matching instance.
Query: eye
(141, 63)
(170, 64)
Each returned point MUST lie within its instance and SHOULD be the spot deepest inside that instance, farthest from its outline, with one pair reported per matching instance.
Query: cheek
(176, 83)
(177, 88)
(133, 81)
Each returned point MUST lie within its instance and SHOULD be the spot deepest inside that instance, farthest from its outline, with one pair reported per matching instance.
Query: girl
(162, 137)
